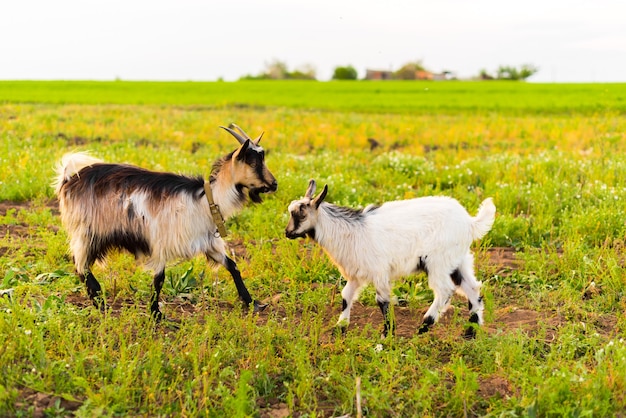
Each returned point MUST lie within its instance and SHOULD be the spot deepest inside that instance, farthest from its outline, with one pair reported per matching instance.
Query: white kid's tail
(70, 165)
(483, 221)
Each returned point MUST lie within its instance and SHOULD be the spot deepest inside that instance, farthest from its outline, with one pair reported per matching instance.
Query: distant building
(445, 75)
(418, 75)
(378, 75)
(442, 76)
(423, 75)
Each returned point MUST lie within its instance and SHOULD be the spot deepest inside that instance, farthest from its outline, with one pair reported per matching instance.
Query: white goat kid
(157, 216)
(380, 243)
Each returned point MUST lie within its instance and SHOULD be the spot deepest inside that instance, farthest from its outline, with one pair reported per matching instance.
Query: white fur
(388, 242)
(70, 165)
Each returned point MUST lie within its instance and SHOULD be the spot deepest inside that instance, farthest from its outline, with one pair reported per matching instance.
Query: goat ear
(320, 198)
(240, 154)
(311, 189)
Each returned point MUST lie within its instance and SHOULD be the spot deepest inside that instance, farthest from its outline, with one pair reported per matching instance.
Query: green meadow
(552, 156)
(399, 97)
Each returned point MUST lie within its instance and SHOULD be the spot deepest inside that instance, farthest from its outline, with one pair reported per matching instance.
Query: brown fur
(156, 216)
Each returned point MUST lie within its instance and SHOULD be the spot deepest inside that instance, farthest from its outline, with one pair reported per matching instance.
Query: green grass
(552, 156)
(362, 96)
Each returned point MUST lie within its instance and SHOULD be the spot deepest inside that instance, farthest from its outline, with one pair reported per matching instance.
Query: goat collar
(215, 211)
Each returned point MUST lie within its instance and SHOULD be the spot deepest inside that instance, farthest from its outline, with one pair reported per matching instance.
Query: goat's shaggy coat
(380, 243)
(156, 216)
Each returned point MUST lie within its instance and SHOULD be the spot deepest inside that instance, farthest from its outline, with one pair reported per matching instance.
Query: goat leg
(158, 280)
(231, 266)
(342, 325)
(428, 322)
(389, 325)
(470, 331)
(93, 289)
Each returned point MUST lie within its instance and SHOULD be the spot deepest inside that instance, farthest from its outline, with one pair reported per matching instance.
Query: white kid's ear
(320, 198)
(311, 189)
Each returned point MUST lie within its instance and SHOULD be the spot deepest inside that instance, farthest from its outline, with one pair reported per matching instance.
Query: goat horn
(241, 131)
(239, 138)
(245, 135)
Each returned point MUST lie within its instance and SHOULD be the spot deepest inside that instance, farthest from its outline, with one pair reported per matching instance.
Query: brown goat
(157, 216)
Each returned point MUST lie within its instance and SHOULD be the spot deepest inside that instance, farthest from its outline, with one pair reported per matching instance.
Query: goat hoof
(340, 330)
(259, 307)
(428, 322)
(424, 328)
(470, 333)
(384, 335)
(388, 332)
(158, 316)
(98, 302)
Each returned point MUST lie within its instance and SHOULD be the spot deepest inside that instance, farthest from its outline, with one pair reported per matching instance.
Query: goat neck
(226, 194)
(338, 221)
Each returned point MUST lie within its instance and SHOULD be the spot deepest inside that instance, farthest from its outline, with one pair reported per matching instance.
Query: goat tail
(70, 165)
(483, 221)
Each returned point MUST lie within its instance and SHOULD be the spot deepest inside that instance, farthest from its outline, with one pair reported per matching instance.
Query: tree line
(278, 70)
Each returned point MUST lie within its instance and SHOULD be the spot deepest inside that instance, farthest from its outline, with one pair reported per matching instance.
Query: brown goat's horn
(241, 131)
(245, 135)
(239, 138)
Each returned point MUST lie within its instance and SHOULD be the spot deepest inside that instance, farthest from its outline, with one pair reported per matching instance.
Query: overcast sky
(569, 40)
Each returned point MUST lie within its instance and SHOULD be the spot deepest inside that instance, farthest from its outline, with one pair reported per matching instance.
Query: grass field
(369, 97)
(553, 267)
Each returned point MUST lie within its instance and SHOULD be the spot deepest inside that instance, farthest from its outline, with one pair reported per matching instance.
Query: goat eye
(253, 158)
(250, 160)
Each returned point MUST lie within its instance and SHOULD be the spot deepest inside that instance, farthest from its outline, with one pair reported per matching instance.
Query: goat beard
(255, 194)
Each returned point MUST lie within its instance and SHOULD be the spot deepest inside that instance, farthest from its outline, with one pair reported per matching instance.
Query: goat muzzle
(294, 235)
(255, 192)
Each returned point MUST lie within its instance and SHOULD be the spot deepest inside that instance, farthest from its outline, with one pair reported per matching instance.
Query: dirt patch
(45, 405)
(17, 232)
(8, 205)
(528, 321)
(273, 408)
(495, 386)
(407, 319)
(502, 259)
(75, 140)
